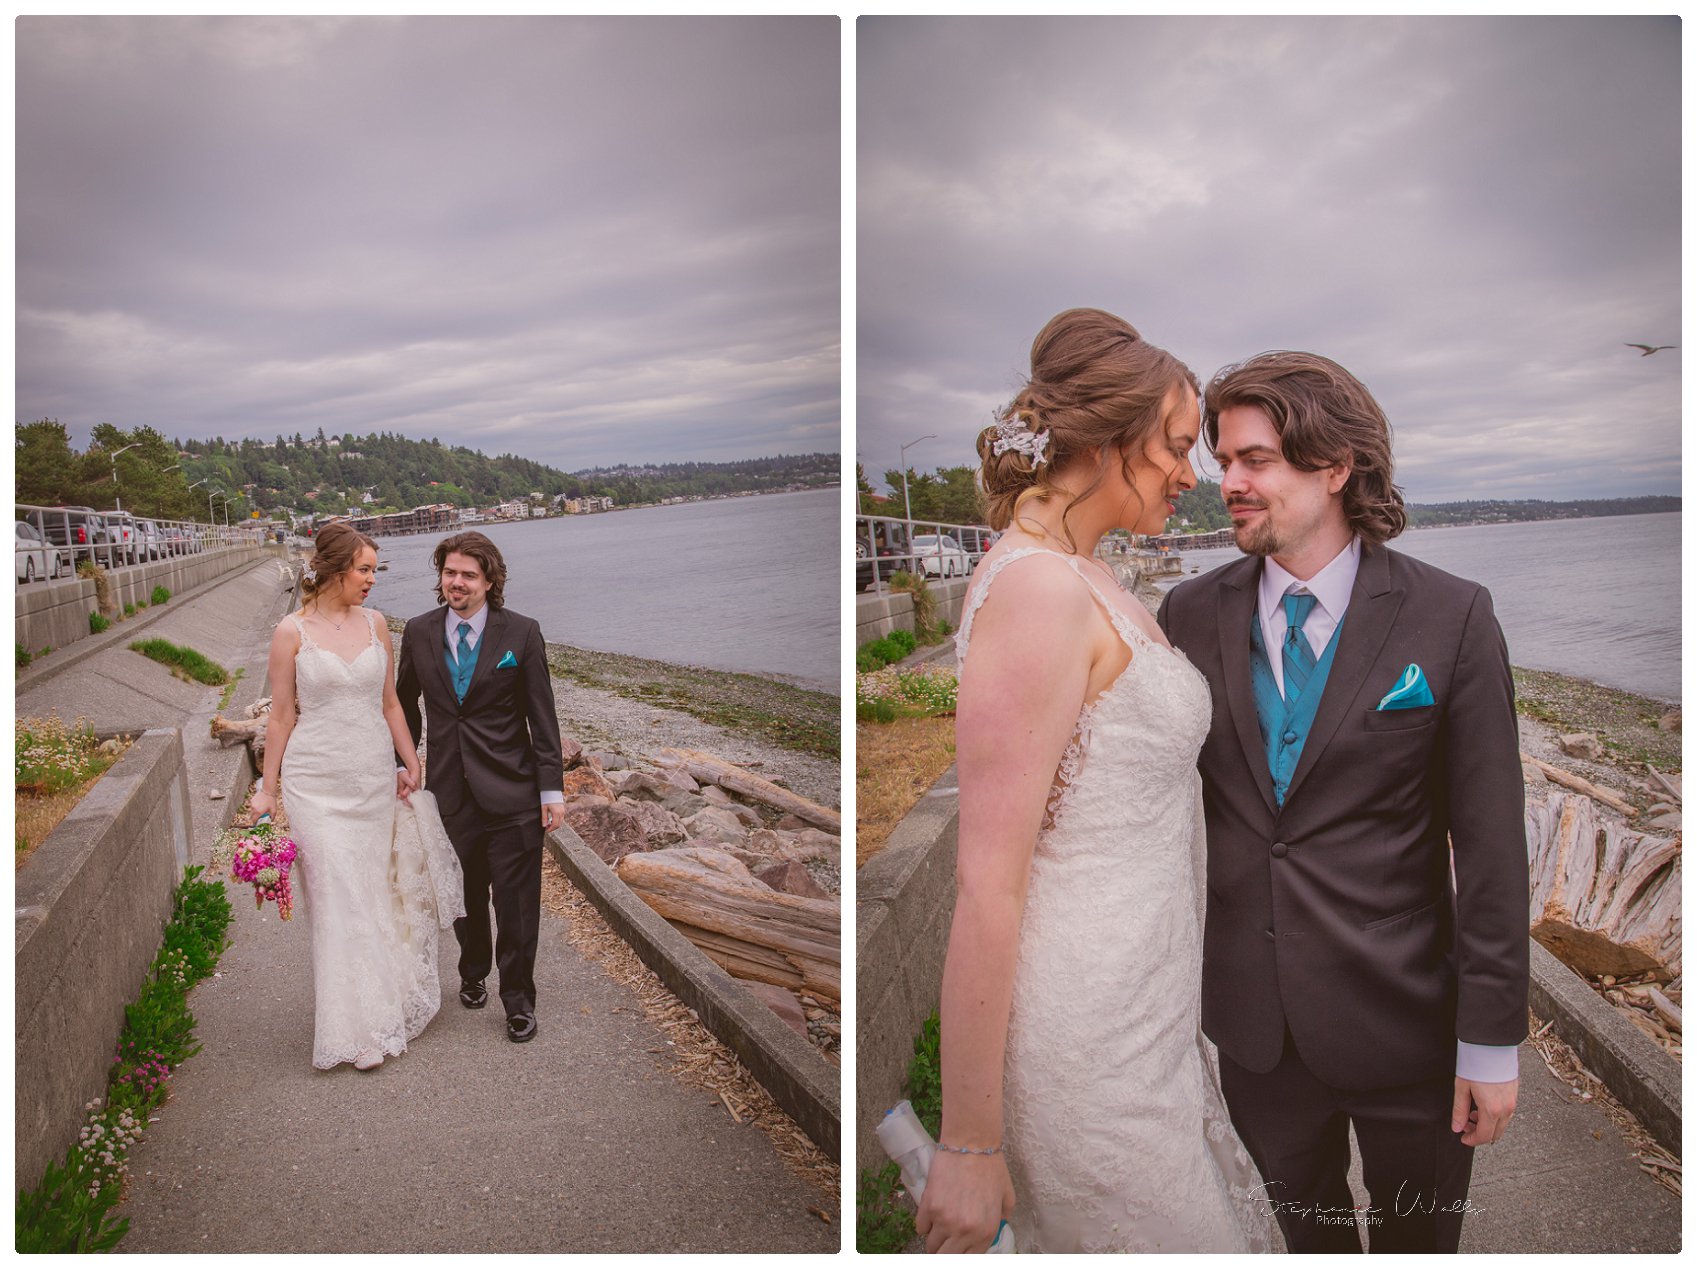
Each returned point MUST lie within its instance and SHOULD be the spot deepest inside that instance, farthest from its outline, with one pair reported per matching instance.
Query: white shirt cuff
(1487, 1063)
(555, 797)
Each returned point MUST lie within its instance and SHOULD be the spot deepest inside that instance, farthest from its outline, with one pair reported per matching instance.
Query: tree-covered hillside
(328, 475)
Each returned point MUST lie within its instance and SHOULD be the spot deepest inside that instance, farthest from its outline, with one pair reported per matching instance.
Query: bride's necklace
(338, 624)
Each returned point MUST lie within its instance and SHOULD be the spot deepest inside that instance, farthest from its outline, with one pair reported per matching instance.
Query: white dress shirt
(477, 621)
(1331, 587)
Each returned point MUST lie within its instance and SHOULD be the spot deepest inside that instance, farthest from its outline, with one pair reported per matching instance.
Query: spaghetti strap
(1122, 624)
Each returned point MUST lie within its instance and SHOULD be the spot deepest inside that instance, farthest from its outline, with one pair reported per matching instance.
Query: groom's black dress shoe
(521, 1027)
(473, 995)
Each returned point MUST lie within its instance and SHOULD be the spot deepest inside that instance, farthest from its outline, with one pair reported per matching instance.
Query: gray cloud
(583, 240)
(1473, 215)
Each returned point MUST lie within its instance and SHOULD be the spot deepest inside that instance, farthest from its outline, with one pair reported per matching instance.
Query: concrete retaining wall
(55, 614)
(92, 901)
(1639, 1072)
(904, 901)
(877, 613)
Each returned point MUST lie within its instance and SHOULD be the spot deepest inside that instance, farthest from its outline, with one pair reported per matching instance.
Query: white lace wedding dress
(378, 878)
(1117, 1136)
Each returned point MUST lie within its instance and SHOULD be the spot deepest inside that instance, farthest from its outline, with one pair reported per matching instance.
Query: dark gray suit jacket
(500, 748)
(1335, 915)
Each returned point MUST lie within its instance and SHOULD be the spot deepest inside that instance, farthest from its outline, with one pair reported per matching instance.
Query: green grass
(883, 1220)
(184, 662)
(97, 623)
(161, 595)
(230, 690)
(71, 1210)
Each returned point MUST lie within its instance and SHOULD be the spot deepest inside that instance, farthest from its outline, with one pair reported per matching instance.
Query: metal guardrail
(887, 545)
(64, 538)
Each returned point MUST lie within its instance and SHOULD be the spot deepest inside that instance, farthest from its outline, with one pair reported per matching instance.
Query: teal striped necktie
(1298, 656)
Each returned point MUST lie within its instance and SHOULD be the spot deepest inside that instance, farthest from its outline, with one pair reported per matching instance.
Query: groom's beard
(1256, 537)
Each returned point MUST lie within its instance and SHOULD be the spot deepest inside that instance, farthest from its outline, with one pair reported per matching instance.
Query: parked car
(121, 534)
(975, 541)
(940, 555)
(175, 539)
(150, 542)
(883, 554)
(80, 529)
(37, 559)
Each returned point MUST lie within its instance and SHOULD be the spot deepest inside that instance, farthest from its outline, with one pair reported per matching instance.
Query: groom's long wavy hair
(1323, 415)
(487, 555)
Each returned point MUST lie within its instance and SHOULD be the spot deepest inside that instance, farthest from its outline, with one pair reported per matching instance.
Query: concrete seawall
(876, 613)
(92, 901)
(55, 614)
(904, 900)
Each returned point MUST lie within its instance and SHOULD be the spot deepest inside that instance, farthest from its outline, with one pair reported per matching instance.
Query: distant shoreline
(464, 525)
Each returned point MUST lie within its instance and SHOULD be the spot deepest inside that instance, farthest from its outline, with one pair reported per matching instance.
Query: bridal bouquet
(262, 855)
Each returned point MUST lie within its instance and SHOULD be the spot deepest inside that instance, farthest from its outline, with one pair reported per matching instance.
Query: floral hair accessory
(308, 573)
(1013, 432)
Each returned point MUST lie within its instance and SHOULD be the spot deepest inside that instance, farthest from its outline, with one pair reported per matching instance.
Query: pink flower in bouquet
(262, 857)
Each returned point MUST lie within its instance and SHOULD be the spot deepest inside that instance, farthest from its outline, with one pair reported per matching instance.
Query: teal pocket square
(507, 663)
(1411, 691)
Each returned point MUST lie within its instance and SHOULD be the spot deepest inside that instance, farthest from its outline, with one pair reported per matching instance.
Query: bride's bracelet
(995, 1149)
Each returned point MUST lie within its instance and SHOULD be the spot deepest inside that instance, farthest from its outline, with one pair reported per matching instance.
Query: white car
(939, 555)
(35, 558)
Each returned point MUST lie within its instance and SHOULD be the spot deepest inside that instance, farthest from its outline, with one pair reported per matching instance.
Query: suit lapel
(1237, 594)
(435, 656)
(488, 649)
(1373, 606)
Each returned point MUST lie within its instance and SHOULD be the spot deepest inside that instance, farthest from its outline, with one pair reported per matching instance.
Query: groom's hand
(1483, 1110)
(553, 815)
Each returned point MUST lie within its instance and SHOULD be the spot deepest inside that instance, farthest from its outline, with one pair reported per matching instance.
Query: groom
(494, 762)
(1365, 955)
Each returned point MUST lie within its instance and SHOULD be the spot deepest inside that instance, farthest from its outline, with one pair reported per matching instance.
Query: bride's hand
(406, 782)
(967, 1196)
(262, 803)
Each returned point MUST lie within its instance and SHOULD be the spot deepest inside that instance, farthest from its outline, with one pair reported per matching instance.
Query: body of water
(1595, 599)
(748, 584)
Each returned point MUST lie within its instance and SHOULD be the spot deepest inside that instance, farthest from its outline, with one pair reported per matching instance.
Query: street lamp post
(907, 507)
(119, 502)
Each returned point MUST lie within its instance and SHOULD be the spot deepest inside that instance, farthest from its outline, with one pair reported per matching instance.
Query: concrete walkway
(578, 1141)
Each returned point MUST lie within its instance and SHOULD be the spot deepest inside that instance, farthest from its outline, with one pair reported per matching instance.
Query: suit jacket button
(1279, 849)
(1289, 738)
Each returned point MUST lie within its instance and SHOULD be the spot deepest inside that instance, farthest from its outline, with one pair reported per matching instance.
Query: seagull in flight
(1648, 349)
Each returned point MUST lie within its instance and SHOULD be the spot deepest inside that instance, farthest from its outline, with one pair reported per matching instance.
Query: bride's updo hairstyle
(335, 547)
(1095, 384)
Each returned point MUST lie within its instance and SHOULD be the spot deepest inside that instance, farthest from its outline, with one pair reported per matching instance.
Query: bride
(1078, 1099)
(378, 872)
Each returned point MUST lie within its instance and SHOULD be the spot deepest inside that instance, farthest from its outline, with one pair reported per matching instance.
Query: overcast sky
(585, 241)
(1472, 215)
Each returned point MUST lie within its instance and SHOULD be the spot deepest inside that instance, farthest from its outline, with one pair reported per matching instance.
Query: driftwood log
(1605, 898)
(750, 930)
(249, 731)
(1579, 784)
(733, 779)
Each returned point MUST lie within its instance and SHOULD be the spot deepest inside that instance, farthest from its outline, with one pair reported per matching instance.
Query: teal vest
(1285, 724)
(460, 675)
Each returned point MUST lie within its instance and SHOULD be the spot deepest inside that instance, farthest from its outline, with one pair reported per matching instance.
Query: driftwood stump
(1605, 898)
